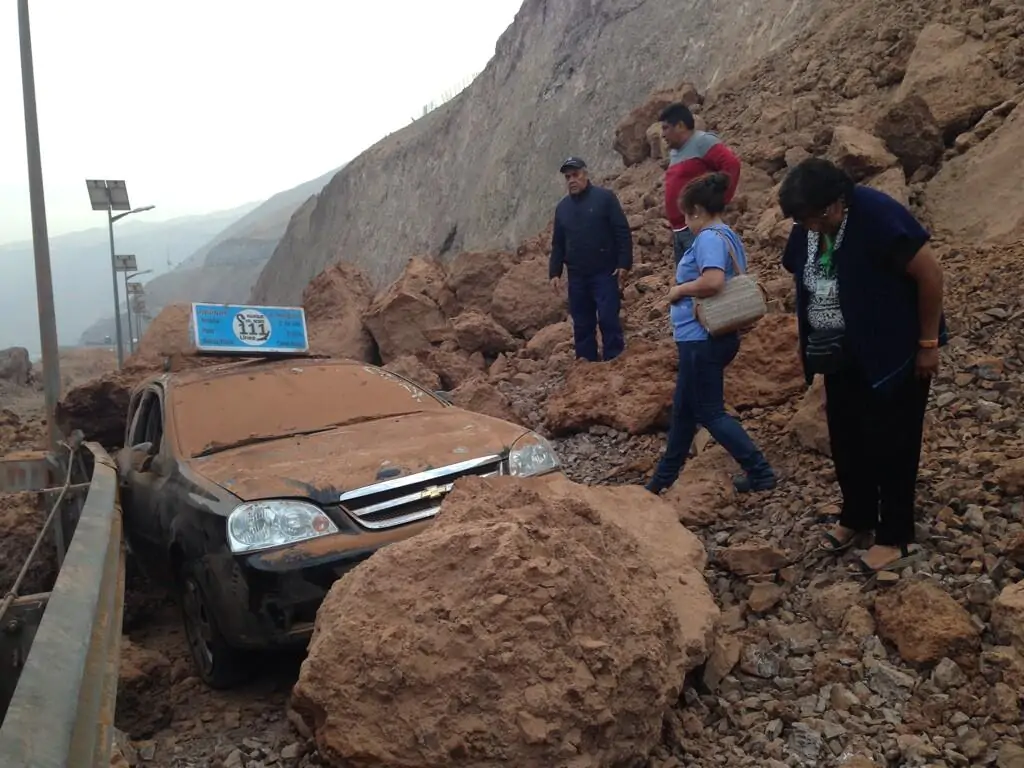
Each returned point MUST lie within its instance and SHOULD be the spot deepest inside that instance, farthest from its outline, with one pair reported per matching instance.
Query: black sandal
(835, 545)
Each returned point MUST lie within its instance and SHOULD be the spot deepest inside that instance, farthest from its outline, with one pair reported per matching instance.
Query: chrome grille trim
(418, 504)
(420, 477)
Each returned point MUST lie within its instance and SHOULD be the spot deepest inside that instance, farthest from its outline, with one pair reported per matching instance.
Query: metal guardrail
(62, 712)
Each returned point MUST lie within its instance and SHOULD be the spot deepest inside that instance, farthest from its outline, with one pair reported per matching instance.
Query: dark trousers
(594, 302)
(876, 449)
(700, 400)
(681, 242)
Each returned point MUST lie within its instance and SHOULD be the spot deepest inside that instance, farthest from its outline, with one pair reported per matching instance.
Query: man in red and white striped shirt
(692, 154)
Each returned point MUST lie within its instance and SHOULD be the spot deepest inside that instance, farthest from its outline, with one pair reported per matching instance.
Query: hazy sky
(202, 105)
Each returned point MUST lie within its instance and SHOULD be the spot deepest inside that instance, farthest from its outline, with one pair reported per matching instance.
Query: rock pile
(528, 626)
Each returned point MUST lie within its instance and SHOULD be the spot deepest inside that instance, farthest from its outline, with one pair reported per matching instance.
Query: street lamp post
(40, 238)
(112, 195)
(128, 294)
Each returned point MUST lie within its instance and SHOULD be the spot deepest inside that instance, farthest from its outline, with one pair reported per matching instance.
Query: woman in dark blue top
(869, 306)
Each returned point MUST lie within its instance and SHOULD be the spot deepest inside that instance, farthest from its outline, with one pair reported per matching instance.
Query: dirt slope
(483, 174)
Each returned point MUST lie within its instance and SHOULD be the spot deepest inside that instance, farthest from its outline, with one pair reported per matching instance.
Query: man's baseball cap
(571, 163)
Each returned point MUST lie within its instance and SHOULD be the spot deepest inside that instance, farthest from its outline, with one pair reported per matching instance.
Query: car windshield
(254, 405)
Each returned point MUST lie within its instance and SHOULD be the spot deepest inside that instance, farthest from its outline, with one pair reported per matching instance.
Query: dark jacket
(591, 234)
(877, 296)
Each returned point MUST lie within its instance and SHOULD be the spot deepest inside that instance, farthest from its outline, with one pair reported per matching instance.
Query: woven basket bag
(737, 307)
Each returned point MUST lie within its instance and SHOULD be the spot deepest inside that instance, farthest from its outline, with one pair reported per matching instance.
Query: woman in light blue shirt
(699, 397)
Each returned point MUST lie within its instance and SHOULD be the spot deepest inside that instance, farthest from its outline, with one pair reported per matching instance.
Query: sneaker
(748, 484)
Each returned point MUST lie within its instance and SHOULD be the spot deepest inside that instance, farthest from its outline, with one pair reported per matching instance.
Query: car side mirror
(445, 396)
(141, 457)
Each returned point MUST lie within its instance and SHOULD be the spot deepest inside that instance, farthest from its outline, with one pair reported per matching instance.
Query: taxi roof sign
(248, 330)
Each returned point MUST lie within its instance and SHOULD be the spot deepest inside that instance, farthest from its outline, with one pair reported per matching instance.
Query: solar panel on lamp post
(112, 195)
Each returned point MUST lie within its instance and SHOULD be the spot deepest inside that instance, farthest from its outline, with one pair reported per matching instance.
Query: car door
(145, 477)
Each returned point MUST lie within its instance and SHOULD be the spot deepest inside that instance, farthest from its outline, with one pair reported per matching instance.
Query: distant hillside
(225, 268)
(80, 262)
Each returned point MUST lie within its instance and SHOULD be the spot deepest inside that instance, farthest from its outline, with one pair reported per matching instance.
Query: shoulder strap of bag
(732, 251)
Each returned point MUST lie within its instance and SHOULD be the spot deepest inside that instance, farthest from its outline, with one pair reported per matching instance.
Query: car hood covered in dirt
(321, 466)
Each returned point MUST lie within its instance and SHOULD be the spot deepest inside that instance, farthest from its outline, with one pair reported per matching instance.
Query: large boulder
(407, 317)
(414, 369)
(951, 72)
(767, 371)
(480, 396)
(536, 622)
(477, 332)
(633, 392)
(926, 624)
(910, 132)
(892, 182)
(859, 153)
(335, 302)
(15, 366)
(523, 300)
(977, 196)
(473, 275)
(632, 141)
(550, 340)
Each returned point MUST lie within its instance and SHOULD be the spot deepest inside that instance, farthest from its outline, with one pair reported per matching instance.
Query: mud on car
(250, 488)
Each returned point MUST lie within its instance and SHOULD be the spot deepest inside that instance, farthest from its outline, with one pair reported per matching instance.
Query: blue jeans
(593, 302)
(700, 401)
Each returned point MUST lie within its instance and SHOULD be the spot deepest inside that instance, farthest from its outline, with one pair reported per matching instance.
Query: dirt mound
(143, 672)
(334, 303)
(521, 628)
(167, 336)
(18, 435)
(99, 408)
(21, 520)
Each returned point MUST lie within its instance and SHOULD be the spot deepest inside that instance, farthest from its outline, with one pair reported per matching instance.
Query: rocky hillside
(482, 171)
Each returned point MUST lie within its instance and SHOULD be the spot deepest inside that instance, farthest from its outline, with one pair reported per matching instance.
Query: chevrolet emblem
(432, 492)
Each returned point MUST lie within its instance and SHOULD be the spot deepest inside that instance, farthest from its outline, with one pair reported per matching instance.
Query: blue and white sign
(237, 329)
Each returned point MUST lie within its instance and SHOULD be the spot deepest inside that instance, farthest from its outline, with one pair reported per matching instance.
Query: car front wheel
(218, 664)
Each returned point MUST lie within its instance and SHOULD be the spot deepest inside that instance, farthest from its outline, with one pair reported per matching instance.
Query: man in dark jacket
(593, 242)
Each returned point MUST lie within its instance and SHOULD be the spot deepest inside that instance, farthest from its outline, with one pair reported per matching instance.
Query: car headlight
(263, 524)
(531, 455)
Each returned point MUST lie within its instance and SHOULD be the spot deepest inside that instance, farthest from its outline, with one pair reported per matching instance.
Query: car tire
(218, 664)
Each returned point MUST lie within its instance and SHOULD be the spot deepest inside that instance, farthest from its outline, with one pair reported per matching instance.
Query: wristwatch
(928, 343)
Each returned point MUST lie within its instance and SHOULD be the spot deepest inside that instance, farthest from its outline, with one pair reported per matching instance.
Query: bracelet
(928, 343)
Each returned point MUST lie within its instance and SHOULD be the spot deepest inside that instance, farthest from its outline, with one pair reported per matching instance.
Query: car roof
(208, 372)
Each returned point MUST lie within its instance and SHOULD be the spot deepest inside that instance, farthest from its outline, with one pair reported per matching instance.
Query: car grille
(415, 497)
